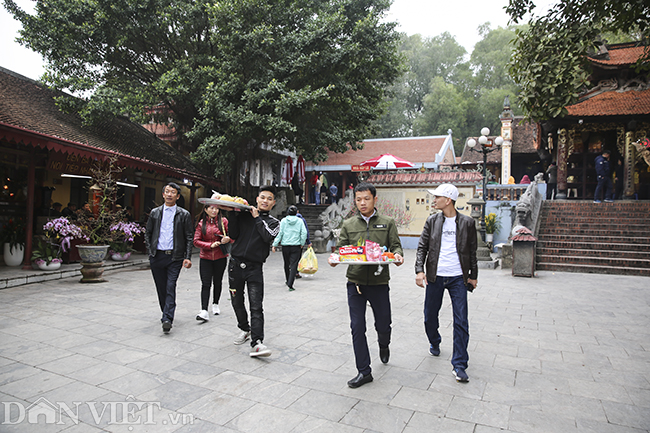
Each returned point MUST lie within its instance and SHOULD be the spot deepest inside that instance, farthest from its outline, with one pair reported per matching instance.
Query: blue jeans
(378, 297)
(433, 302)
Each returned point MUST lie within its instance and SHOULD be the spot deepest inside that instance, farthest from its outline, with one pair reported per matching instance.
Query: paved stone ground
(557, 353)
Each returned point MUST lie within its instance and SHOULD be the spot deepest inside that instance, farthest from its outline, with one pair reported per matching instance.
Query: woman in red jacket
(211, 237)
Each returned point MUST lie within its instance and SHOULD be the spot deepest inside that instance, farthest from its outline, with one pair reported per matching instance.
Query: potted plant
(46, 255)
(492, 226)
(59, 233)
(12, 236)
(96, 227)
(122, 236)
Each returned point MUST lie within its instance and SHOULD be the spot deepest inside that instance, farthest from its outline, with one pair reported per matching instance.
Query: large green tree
(550, 58)
(305, 75)
(442, 90)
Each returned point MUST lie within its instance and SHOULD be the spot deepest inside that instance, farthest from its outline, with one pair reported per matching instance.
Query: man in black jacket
(168, 239)
(447, 249)
(253, 233)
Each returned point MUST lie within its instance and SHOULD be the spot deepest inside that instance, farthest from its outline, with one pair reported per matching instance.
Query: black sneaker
(434, 349)
(460, 374)
(167, 326)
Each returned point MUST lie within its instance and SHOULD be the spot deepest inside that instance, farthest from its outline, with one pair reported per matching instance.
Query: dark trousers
(433, 302)
(165, 273)
(211, 272)
(604, 182)
(253, 277)
(379, 301)
(291, 255)
(550, 190)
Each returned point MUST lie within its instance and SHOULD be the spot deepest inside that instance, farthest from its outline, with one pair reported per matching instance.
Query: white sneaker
(260, 350)
(242, 337)
(215, 309)
(203, 315)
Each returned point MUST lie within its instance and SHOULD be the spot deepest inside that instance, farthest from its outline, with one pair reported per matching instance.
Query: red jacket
(212, 234)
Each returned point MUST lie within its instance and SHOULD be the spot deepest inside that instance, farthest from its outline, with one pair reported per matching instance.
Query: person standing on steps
(211, 237)
(292, 236)
(253, 233)
(604, 176)
(446, 259)
(168, 240)
(366, 284)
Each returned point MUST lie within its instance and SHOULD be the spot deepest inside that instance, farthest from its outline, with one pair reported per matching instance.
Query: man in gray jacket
(446, 259)
(169, 239)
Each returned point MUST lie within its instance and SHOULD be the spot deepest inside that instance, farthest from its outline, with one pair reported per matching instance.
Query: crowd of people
(446, 260)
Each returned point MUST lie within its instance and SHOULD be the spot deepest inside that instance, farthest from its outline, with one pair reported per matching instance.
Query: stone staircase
(604, 238)
(311, 213)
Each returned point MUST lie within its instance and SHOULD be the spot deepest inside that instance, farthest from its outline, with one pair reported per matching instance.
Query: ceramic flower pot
(15, 256)
(92, 262)
(489, 237)
(52, 266)
(120, 257)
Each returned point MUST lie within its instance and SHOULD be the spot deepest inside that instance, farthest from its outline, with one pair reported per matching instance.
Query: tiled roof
(428, 179)
(524, 140)
(28, 107)
(620, 55)
(632, 102)
(413, 149)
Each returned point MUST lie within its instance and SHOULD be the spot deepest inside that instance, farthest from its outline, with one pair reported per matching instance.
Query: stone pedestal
(92, 272)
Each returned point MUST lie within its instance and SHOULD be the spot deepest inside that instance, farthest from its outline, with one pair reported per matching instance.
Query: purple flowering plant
(122, 236)
(59, 233)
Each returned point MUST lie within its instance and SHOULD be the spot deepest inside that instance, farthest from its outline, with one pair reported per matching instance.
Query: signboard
(357, 168)
(70, 163)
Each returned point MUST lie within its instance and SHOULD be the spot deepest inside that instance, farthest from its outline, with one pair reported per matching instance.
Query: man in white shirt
(169, 238)
(447, 248)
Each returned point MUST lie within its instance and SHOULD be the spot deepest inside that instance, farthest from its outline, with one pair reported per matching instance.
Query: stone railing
(511, 192)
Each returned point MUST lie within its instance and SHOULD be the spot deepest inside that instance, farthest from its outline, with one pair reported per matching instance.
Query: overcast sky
(461, 18)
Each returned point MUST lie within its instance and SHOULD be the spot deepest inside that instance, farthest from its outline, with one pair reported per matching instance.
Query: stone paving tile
(100, 373)
(135, 383)
(431, 402)
(320, 425)
(69, 364)
(35, 385)
(528, 420)
(217, 408)
(423, 422)
(627, 415)
(266, 418)
(378, 417)
(275, 393)
(479, 412)
(323, 405)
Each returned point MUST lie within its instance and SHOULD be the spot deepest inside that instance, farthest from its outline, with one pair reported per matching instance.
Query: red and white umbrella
(300, 168)
(287, 171)
(387, 162)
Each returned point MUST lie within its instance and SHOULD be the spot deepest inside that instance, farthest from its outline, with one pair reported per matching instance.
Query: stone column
(561, 164)
(506, 149)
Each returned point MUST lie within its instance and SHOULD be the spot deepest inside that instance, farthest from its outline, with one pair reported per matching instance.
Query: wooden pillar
(31, 187)
(562, 158)
(628, 172)
(192, 203)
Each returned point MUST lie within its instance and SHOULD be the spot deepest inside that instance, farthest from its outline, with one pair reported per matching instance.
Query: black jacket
(253, 236)
(183, 233)
(602, 166)
(429, 246)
